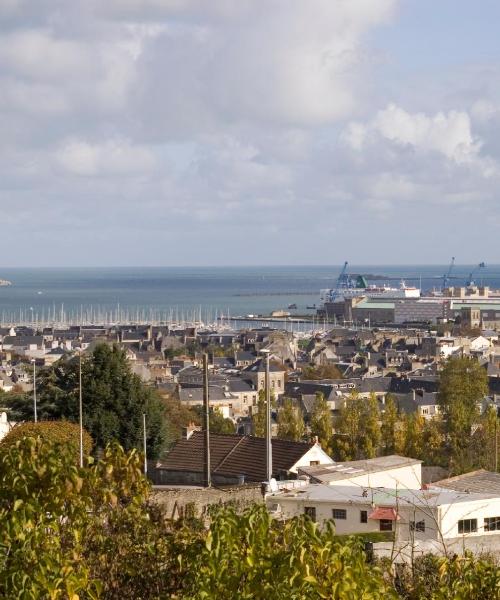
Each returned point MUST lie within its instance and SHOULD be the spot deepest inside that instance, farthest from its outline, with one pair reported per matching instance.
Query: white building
(431, 515)
(393, 471)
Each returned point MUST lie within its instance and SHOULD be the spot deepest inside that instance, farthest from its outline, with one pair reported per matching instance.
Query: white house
(432, 515)
(5, 425)
(386, 471)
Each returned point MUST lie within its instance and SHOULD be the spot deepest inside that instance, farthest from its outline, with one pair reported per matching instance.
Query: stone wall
(189, 501)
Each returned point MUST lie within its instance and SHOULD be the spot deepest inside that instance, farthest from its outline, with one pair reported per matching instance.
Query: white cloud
(447, 133)
(112, 157)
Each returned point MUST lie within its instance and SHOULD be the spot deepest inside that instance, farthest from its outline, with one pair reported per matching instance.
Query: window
(245, 398)
(417, 526)
(492, 524)
(385, 525)
(425, 410)
(363, 516)
(313, 463)
(279, 383)
(467, 526)
(339, 513)
(310, 511)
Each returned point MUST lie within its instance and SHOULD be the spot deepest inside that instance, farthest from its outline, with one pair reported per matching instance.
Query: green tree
(253, 557)
(412, 428)
(389, 426)
(463, 383)
(371, 426)
(290, 422)
(56, 432)
(259, 416)
(217, 422)
(316, 372)
(433, 443)
(114, 400)
(321, 421)
(357, 429)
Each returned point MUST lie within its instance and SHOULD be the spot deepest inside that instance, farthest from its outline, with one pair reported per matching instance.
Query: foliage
(357, 429)
(178, 416)
(457, 578)
(290, 422)
(92, 534)
(463, 383)
(55, 432)
(389, 426)
(321, 421)
(259, 416)
(114, 400)
(217, 421)
(251, 556)
(317, 372)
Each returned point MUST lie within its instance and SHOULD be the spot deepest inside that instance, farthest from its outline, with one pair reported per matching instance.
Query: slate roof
(234, 455)
(481, 481)
(260, 367)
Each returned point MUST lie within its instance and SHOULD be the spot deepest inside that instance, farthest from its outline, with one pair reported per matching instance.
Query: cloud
(112, 157)
(230, 132)
(447, 133)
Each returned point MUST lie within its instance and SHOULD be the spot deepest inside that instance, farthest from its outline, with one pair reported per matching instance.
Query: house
(235, 459)
(256, 374)
(5, 425)
(385, 471)
(436, 515)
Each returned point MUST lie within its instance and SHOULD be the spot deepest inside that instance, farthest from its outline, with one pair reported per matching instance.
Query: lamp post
(80, 406)
(34, 390)
(269, 449)
(144, 443)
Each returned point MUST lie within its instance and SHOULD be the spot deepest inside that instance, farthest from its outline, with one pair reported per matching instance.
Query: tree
(317, 372)
(290, 422)
(114, 400)
(413, 426)
(357, 429)
(321, 421)
(389, 426)
(253, 556)
(463, 383)
(371, 426)
(433, 442)
(217, 422)
(259, 416)
(55, 432)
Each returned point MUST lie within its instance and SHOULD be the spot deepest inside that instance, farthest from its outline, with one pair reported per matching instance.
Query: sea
(120, 294)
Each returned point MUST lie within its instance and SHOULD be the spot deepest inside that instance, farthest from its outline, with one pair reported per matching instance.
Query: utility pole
(206, 424)
(34, 390)
(269, 449)
(144, 443)
(80, 406)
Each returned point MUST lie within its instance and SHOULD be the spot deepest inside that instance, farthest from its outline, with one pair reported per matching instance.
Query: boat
(292, 306)
(5, 282)
(361, 288)
(312, 307)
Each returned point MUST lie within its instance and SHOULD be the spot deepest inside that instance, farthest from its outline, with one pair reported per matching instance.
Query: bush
(53, 432)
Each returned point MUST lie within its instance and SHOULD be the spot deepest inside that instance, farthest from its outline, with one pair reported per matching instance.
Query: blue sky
(181, 132)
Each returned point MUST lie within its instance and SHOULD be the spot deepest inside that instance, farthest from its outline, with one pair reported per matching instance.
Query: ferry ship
(361, 288)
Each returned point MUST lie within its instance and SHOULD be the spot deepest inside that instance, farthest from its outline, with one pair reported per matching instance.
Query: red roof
(386, 514)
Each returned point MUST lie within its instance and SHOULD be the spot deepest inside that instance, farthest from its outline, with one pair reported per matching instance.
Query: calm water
(184, 291)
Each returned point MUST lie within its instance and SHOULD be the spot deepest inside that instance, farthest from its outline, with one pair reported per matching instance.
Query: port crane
(447, 275)
(480, 266)
(344, 281)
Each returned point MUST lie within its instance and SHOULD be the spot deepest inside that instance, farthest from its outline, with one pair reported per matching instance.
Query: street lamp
(33, 361)
(269, 449)
(80, 406)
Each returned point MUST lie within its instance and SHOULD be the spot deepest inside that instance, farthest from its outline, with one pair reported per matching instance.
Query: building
(409, 514)
(256, 374)
(386, 471)
(235, 459)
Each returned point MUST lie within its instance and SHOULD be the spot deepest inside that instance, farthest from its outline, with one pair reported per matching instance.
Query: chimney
(188, 431)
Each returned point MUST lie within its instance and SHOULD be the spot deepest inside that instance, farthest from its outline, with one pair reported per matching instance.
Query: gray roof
(481, 481)
(356, 468)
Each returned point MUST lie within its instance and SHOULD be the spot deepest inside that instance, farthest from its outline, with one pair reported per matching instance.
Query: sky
(233, 132)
